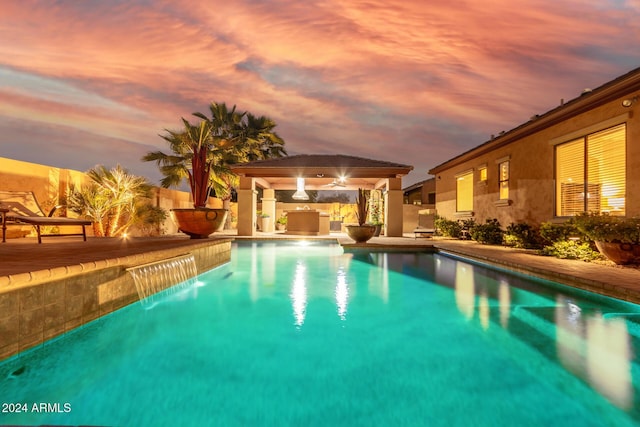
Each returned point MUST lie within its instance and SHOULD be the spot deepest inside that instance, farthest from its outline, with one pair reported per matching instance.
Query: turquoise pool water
(298, 333)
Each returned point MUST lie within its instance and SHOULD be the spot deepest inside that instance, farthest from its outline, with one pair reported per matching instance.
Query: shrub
(110, 199)
(447, 227)
(150, 219)
(466, 225)
(522, 235)
(608, 228)
(551, 232)
(488, 233)
(570, 249)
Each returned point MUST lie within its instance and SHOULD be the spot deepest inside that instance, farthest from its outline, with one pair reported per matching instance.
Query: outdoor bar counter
(307, 222)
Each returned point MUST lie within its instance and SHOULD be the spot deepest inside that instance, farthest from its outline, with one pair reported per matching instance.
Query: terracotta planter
(620, 253)
(360, 233)
(199, 223)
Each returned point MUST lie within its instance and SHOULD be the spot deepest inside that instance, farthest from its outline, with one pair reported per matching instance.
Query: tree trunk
(98, 231)
(113, 221)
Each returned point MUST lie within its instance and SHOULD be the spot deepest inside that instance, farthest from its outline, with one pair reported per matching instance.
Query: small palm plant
(111, 200)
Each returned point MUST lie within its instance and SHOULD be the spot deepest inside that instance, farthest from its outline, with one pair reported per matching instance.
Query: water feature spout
(172, 274)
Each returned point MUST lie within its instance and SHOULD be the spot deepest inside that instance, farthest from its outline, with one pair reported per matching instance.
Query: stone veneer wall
(33, 310)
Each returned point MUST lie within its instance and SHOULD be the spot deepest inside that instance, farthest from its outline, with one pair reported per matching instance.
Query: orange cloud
(339, 75)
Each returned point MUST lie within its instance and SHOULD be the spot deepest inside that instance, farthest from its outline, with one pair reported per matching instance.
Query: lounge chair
(426, 225)
(21, 207)
(424, 232)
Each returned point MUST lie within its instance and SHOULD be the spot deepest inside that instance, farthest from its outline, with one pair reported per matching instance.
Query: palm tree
(110, 200)
(262, 141)
(192, 159)
(248, 138)
(91, 202)
(202, 153)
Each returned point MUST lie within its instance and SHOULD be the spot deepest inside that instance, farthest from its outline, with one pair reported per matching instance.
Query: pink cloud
(336, 75)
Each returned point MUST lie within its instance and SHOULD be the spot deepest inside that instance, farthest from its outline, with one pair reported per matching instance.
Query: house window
(503, 173)
(590, 173)
(431, 198)
(464, 192)
(482, 172)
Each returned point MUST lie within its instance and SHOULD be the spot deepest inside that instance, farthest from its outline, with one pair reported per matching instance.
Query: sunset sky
(414, 82)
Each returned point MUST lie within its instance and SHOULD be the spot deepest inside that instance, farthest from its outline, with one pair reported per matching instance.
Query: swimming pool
(300, 333)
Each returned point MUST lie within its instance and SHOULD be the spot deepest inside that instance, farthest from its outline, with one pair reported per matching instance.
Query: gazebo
(318, 172)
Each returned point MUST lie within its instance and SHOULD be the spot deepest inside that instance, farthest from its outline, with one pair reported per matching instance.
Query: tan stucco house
(421, 193)
(582, 156)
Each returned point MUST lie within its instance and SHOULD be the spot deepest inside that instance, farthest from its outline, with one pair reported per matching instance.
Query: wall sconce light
(629, 102)
(300, 194)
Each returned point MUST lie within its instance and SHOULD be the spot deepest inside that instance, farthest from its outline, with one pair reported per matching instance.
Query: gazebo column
(269, 207)
(247, 207)
(393, 208)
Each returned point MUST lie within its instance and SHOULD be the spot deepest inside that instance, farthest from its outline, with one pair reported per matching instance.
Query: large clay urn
(620, 253)
(199, 223)
(360, 233)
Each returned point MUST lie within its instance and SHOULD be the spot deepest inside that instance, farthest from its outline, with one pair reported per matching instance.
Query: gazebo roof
(321, 171)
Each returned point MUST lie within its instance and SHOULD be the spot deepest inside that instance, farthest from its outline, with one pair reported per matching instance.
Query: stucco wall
(531, 181)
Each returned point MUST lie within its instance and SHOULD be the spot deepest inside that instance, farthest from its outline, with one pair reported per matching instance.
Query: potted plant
(193, 155)
(263, 221)
(362, 232)
(281, 223)
(616, 237)
(376, 214)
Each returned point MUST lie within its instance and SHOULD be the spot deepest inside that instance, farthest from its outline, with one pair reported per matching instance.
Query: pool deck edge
(613, 281)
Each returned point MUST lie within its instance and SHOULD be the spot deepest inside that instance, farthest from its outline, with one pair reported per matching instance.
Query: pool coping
(615, 282)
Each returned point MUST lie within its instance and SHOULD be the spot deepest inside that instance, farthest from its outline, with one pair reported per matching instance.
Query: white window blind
(482, 172)
(503, 169)
(570, 178)
(606, 169)
(464, 192)
(590, 173)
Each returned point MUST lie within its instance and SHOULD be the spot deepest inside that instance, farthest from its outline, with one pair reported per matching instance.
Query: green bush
(150, 219)
(466, 225)
(608, 228)
(570, 249)
(551, 232)
(488, 233)
(447, 227)
(522, 235)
